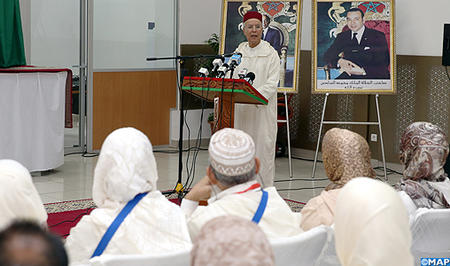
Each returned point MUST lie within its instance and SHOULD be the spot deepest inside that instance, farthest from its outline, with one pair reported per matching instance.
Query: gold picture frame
(285, 17)
(369, 65)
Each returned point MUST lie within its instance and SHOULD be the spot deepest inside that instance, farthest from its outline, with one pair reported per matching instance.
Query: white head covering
(231, 240)
(232, 152)
(19, 198)
(126, 167)
(371, 225)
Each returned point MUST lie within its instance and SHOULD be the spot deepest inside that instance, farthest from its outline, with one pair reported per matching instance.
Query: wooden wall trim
(140, 99)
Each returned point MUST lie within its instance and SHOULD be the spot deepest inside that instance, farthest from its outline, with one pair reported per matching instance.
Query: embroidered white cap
(232, 152)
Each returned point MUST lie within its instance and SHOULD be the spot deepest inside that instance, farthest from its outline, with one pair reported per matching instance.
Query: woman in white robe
(127, 167)
(371, 225)
(19, 198)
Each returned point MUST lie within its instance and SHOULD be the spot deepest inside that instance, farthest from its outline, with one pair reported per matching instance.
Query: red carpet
(60, 223)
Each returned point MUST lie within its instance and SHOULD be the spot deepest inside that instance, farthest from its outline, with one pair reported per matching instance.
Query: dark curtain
(11, 38)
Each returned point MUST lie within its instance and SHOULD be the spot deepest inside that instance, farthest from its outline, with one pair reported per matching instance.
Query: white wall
(54, 33)
(419, 24)
(198, 20)
(193, 120)
(122, 38)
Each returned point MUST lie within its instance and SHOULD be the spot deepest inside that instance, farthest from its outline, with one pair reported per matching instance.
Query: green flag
(11, 39)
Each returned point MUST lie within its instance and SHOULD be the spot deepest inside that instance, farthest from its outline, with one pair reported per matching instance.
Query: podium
(224, 93)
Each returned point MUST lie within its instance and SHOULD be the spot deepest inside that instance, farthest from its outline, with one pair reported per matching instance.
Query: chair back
(302, 249)
(180, 258)
(329, 256)
(430, 231)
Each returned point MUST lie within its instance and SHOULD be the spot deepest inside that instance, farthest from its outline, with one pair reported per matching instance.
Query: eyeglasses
(253, 27)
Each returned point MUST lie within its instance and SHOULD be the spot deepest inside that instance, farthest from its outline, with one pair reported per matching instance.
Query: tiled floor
(73, 180)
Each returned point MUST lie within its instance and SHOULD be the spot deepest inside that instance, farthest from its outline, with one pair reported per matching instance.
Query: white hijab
(19, 198)
(126, 167)
(371, 225)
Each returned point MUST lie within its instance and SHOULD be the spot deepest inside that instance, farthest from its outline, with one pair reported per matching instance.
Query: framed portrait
(281, 23)
(353, 47)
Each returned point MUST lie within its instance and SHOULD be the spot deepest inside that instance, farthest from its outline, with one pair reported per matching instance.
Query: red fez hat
(252, 14)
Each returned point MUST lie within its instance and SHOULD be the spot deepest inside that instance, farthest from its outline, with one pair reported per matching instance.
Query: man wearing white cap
(231, 188)
(259, 121)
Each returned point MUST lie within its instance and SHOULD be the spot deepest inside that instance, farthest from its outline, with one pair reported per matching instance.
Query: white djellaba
(260, 121)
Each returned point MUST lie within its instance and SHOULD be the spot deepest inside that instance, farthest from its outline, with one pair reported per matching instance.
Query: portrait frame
(371, 66)
(285, 18)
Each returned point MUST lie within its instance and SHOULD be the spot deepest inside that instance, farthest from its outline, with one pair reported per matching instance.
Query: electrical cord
(176, 151)
(72, 221)
(296, 189)
(301, 179)
(304, 159)
(388, 171)
(83, 154)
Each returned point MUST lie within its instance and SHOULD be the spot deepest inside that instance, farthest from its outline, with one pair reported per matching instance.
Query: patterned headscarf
(231, 240)
(423, 152)
(346, 155)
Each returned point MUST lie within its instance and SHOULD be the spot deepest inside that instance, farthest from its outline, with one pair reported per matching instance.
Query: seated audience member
(346, 155)
(125, 171)
(19, 198)
(423, 152)
(27, 243)
(231, 241)
(231, 179)
(371, 225)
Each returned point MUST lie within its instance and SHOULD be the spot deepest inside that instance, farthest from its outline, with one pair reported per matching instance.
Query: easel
(322, 122)
(287, 133)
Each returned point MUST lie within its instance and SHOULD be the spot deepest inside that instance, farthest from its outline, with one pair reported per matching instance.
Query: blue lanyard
(261, 208)
(116, 223)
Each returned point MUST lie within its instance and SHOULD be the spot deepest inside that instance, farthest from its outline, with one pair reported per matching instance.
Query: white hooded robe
(125, 168)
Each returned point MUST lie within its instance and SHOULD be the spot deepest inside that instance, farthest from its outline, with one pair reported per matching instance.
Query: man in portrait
(271, 35)
(360, 52)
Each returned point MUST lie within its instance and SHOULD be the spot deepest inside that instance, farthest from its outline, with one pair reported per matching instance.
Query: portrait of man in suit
(359, 52)
(271, 35)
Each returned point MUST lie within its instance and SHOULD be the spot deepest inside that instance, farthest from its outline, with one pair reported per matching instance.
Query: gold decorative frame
(285, 18)
(322, 79)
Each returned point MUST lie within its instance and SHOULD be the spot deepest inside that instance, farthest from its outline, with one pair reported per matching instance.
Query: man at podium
(259, 121)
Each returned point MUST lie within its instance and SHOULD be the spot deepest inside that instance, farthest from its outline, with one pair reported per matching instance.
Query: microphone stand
(179, 187)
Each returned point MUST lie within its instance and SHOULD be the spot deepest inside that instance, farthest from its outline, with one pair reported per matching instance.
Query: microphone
(250, 77)
(203, 72)
(217, 63)
(242, 73)
(235, 60)
(222, 70)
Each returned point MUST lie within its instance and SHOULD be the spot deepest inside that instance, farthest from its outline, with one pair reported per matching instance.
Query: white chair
(303, 249)
(430, 231)
(181, 258)
(329, 256)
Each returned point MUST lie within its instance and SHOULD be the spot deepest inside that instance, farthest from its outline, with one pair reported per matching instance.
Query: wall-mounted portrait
(281, 29)
(353, 47)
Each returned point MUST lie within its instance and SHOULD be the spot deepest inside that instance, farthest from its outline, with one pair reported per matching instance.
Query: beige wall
(423, 91)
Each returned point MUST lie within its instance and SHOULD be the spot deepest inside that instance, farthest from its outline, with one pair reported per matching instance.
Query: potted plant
(213, 42)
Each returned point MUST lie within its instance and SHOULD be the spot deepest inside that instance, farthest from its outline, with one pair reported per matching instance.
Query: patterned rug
(62, 216)
(73, 205)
